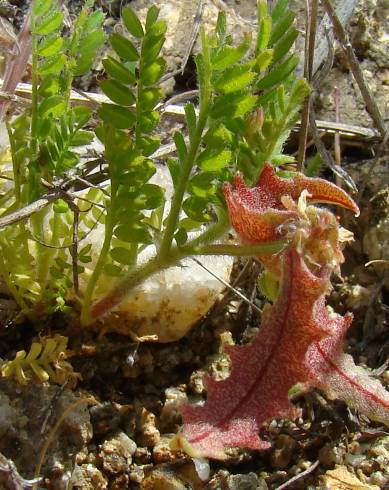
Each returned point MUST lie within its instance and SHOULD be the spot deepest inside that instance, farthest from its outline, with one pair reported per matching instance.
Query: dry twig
(228, 285)
(54, 430)
(355, 68)
(299, 476)
(16, 64)
(326, 155)
(311, 23)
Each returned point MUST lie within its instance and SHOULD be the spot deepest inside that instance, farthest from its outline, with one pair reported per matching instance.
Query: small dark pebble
(105, 418)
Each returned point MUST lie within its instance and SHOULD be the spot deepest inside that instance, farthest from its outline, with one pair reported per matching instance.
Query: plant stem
(205, 95)
(33, 187)
(171, 223)
(154, 265)
(15, 165)
(239, 250)
(101, 261)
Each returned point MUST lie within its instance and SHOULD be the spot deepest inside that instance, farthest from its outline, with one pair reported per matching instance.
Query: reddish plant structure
(300, 339)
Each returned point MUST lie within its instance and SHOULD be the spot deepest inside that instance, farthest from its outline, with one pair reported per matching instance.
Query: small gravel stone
(367, 467)
(116, 453)
(82, 456)
(88, 477)
(285, 447)
(378, 478)
(330, 455)
(136, 474)
(142, 455)
(150, 435)
(162, 452)
(246, 482)
(223, 479)
(196, 383)
(170, 415)
(119, 482)
(160, 479)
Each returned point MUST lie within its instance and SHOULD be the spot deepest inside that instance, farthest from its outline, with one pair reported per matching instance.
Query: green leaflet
(196, 209)
(213, 160)
(234, 79)
(229, 55)
(41, 7)
(279, 73)
(132, 22)
(281, 26)
(49, 23)
(124, 47)
(118, 71)
(118, 116)
(117, 92)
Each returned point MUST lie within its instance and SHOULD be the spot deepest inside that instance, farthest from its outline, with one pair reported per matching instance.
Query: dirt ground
(124, 408)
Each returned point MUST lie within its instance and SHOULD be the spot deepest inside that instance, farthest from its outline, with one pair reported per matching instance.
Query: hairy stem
(239, 250)
(198, 246)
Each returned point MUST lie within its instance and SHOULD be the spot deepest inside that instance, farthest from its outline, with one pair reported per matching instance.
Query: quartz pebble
(166, 305)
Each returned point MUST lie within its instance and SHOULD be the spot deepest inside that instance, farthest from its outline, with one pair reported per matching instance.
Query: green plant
(220, 137)
(248, 101)
(34, 254)
(46, 359)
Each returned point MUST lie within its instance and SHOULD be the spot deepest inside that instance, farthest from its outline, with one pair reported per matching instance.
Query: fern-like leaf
(46, 359)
